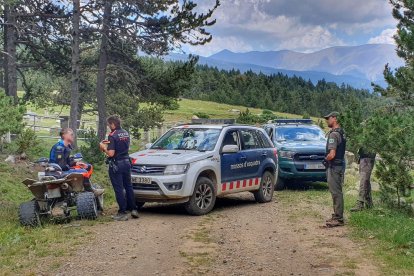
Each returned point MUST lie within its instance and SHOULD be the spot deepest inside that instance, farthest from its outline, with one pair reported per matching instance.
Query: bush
(202, 115)
(26, 143)
(90, 150)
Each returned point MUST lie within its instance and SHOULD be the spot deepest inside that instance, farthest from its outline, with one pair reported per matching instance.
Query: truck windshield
(299, 134)
(201, 139)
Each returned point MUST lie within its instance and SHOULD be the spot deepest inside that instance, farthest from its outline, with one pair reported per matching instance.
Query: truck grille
(309, 156)
(148, 169)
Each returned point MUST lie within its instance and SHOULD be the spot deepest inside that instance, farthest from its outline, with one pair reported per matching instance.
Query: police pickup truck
(193, 164)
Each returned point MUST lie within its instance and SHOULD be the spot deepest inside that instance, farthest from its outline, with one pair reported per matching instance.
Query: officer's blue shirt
(60, 154)
(119, 141)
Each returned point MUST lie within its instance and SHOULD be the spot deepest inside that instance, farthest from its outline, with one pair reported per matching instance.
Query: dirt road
(239, 237)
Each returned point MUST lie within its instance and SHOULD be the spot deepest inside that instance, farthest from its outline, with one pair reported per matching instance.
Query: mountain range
(357, 66)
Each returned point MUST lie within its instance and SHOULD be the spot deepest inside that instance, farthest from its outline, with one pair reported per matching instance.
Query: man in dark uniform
(366, 161)
(335, 162)
(116, 148)
(61, 154)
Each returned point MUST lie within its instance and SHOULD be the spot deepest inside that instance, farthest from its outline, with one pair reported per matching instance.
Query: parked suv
(301, 149)
(193, 164)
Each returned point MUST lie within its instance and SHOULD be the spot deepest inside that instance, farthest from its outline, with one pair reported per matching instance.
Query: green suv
(301, 149)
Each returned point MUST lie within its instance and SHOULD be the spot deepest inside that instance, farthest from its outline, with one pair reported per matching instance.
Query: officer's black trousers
(121, 181)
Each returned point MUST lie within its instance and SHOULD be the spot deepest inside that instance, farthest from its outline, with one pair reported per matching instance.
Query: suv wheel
(267, 187)
(203, 199)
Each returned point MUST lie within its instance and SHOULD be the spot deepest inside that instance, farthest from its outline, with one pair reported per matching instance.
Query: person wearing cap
(335, 162)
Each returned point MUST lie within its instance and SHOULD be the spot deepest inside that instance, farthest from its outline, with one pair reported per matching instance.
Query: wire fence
(49, 126)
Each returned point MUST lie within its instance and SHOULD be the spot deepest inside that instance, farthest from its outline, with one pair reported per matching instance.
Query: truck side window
(249, 139)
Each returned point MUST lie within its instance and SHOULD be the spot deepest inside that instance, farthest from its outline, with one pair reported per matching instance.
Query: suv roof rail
(213, 121)
(293, 121)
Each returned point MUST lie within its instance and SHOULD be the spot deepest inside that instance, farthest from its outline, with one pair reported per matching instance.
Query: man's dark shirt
(60, 154)
(119, 141)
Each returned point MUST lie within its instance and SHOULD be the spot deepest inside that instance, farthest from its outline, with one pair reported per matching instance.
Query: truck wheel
(29, 214)
(267, 187)
(86, 205)
(280, 184)
(203, 199)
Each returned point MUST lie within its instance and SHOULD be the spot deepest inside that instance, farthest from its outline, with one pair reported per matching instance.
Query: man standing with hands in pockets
(116, 149)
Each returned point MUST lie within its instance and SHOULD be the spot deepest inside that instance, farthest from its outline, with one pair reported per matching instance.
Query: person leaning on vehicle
(116, 149)
(335, 162)
(60, 154)
(366, 161)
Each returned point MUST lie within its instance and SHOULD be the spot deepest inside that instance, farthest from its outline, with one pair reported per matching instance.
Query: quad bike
(57, 193)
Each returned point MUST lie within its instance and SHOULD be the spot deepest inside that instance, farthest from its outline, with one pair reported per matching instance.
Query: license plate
(318, 166)
(141, 180)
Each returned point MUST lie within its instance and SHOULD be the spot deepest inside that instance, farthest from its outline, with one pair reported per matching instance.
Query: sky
(299, 25)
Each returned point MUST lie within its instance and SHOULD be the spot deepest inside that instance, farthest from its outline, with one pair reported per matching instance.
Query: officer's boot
(359, 206)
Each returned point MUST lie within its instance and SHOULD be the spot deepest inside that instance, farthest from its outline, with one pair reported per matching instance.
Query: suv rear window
(250, 139)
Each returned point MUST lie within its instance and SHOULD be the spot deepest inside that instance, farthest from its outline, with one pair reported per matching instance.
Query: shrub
(26, 143)
(202, 115)
(90, 149)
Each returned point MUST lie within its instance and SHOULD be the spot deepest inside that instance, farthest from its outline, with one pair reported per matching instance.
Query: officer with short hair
(116, 148)
(60, 154)
(335, 162)
(366, 161)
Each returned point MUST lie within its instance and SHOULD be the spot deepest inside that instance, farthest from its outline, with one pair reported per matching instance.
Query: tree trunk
(10, 65)
(74, 100)
(102, 65)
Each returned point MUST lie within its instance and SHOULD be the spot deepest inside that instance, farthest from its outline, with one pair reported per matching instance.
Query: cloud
(302, 25)
(385, 37)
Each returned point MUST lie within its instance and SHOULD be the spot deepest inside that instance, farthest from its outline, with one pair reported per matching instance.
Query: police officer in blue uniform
(116, 148)
(61, 154)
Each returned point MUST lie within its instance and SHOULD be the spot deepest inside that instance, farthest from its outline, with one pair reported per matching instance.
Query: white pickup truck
(193, 164)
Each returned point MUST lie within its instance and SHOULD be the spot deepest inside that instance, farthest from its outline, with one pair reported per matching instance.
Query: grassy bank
(22, 250)
(386, 236)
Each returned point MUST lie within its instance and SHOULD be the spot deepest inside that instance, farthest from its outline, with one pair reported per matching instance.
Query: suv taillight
(275, 152)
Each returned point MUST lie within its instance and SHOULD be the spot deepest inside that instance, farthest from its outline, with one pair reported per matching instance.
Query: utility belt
(334, 163)
(114, 162)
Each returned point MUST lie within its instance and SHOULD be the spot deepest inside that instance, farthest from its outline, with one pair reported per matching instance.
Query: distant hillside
(357, 66)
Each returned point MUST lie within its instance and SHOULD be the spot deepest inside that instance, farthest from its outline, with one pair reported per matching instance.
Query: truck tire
(280, 184)
(203, 199)
(29, 214)
(86, 206)
(266, 189)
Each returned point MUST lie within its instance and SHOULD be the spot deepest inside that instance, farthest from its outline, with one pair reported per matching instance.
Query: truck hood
(303, 146)
(169, 157)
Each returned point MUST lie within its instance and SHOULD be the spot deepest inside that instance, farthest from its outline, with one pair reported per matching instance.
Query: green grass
(21, 248)
(390, 236)
(215, 110)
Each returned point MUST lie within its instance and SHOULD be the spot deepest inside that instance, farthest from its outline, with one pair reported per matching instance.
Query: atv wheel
(86, 206)
(99, 199)
(203, 199)
(29, 214)
(267, 187)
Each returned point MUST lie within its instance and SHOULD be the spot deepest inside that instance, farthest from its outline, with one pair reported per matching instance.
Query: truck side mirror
(230, 149)
(148, 146)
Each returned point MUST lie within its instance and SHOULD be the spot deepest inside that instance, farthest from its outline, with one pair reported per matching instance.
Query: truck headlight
(176, 169)
(287, 154)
